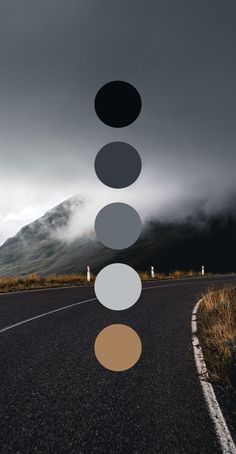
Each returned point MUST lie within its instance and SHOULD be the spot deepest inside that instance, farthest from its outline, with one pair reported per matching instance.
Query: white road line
(45, 314)
(7, 328)
(223, 434)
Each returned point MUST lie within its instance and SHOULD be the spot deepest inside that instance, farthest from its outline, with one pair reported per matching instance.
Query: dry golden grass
(178, 274)
(217, 329)
(35, 281)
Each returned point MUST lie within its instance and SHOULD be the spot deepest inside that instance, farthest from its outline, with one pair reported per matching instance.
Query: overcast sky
(54, 57)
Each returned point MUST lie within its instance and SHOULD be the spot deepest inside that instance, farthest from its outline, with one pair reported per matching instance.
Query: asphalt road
(56, 398)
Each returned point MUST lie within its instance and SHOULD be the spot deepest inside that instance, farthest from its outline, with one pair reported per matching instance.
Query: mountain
(37, 248)
(168, 245)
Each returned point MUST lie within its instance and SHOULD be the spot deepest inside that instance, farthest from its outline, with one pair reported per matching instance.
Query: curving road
(56, 398)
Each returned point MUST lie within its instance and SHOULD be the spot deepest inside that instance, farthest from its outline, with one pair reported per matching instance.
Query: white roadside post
(88, 273)
(203, 270)
(152, 271)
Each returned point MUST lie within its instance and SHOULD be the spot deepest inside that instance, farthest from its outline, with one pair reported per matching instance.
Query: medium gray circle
(118, 165)
(118, 225)
(118, 286)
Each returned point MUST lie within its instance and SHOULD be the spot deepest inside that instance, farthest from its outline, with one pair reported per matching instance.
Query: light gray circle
(118, 165)
(118, 286)
(118, 225)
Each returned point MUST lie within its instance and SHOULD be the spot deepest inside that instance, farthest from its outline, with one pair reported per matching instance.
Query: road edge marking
(7, 328)
(222, 431)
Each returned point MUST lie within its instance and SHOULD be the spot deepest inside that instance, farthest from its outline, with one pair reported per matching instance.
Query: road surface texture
(56, 398)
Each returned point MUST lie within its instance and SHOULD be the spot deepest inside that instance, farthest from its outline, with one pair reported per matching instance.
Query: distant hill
(36, 247)
(166, 245)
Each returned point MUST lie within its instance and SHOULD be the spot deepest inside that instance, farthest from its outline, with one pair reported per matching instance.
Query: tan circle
(118, 347)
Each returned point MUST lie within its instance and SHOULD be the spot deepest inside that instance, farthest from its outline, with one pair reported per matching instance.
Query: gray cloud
(56, 54)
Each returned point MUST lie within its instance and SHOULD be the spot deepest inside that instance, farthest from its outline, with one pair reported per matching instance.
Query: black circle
(118, 104)
(118, 165)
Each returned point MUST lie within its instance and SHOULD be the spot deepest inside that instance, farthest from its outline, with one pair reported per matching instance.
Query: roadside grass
(178, 274)
(217, 329)
(217, 333)
(35, 281)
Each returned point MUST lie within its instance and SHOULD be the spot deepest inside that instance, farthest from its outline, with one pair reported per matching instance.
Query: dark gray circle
(118, 165)
(118, 225)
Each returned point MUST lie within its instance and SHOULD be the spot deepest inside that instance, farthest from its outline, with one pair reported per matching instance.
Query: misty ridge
(74, 218)
(185, 135)
(184, 236)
